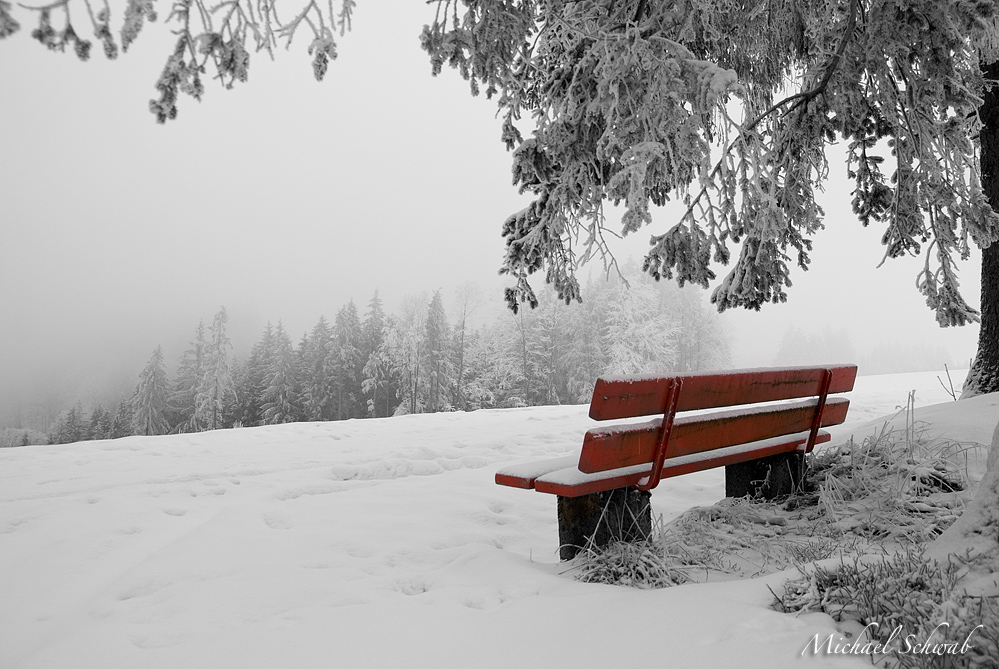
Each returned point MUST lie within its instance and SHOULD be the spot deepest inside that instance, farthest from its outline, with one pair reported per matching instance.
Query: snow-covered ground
(375, 543)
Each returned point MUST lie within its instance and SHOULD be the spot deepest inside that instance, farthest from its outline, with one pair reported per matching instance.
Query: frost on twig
(636, 103)
(217, 37)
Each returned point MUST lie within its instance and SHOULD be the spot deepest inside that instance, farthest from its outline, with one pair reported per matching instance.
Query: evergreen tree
(100, 421)
(149, 401)
(317, 371)
(377, 381)
(547, 351)
(104, 424)
(121, 425)
(436, 352)
(69, 427)
(586, 358)
(641, 337)
(500, 356)
(373, 327)
(216, 387)
(252, 380)
(281, 397)
(466, 301)
(347, 364)
(702, 343)
(478, 386)
(406, 346)
(190, 375)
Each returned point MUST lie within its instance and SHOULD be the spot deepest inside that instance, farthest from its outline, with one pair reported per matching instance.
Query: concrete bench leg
(622, 514)
(770, 477)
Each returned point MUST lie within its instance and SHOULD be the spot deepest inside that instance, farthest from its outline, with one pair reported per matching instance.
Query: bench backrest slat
(625, 398)
(627, 445)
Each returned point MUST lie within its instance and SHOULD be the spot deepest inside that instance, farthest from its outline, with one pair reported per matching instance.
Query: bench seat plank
(617, 397)
(571, 482)
(617, 446)
(523, 475)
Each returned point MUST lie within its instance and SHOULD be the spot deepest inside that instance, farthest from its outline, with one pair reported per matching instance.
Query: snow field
(376, 543)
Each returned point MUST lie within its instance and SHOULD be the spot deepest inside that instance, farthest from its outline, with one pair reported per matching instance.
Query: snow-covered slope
(377, 543)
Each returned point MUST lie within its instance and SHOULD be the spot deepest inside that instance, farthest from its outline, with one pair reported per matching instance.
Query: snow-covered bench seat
(761, 447)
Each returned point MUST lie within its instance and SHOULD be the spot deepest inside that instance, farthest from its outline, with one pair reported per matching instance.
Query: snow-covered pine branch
(631, 105)
(213, 39)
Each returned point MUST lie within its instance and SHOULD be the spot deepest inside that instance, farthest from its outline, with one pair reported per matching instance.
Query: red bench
(761, 447)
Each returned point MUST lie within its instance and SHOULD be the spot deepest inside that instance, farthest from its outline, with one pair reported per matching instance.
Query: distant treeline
(423, 359)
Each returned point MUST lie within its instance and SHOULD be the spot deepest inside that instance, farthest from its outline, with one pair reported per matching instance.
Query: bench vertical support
(621, 514)
(778, 475)
(770, 477)
(669, 414)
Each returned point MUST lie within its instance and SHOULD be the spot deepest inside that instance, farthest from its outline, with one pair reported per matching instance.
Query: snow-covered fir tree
(347, 364)
(251, 382)
(100, 423)
(436, 340)
(547, 350)
(378, 383)
(149, 403)
(215, 389)
(586, 357)
(70, 426)
(405, 342)
(190, 374)
(121, 424)
(466, 301)
(317, 373)
(281, 399)
(642, 336)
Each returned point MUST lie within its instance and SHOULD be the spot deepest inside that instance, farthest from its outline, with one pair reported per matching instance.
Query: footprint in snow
(277, 523)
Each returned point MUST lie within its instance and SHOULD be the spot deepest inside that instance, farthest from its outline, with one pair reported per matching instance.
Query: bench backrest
(628, 397)
(626, 445)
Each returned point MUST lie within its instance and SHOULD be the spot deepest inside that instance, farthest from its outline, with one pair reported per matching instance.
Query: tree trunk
(984, 374)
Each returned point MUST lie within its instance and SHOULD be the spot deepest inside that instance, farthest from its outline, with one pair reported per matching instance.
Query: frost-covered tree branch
(632, 103)
(213, 39)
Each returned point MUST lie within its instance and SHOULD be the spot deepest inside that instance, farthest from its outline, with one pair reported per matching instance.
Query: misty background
(284, 198)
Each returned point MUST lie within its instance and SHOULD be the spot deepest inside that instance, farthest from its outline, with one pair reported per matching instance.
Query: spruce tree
(149, 402)
(251, 382)
(406, 346)
(347, 364)
(376, 382)
(641, 337)
(190, 374)
(99, 421)
(586, 358)
(376, 379)
(466, 298)
(437, 355)
(216, 387)
(317, 371)
(281, 401)
(547, 351)
(121, 425)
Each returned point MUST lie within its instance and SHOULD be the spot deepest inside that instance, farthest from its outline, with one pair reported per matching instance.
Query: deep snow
(368, 543)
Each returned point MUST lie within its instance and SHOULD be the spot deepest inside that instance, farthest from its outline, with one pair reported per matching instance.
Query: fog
(284, 198)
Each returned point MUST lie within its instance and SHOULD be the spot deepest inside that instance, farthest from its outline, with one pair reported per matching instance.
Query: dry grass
(905, 592)
(874, 505)
(894, 489)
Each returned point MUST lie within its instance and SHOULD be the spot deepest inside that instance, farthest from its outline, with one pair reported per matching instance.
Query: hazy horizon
(284, 198)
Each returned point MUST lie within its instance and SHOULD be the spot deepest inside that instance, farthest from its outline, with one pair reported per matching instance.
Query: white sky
(284, 198)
